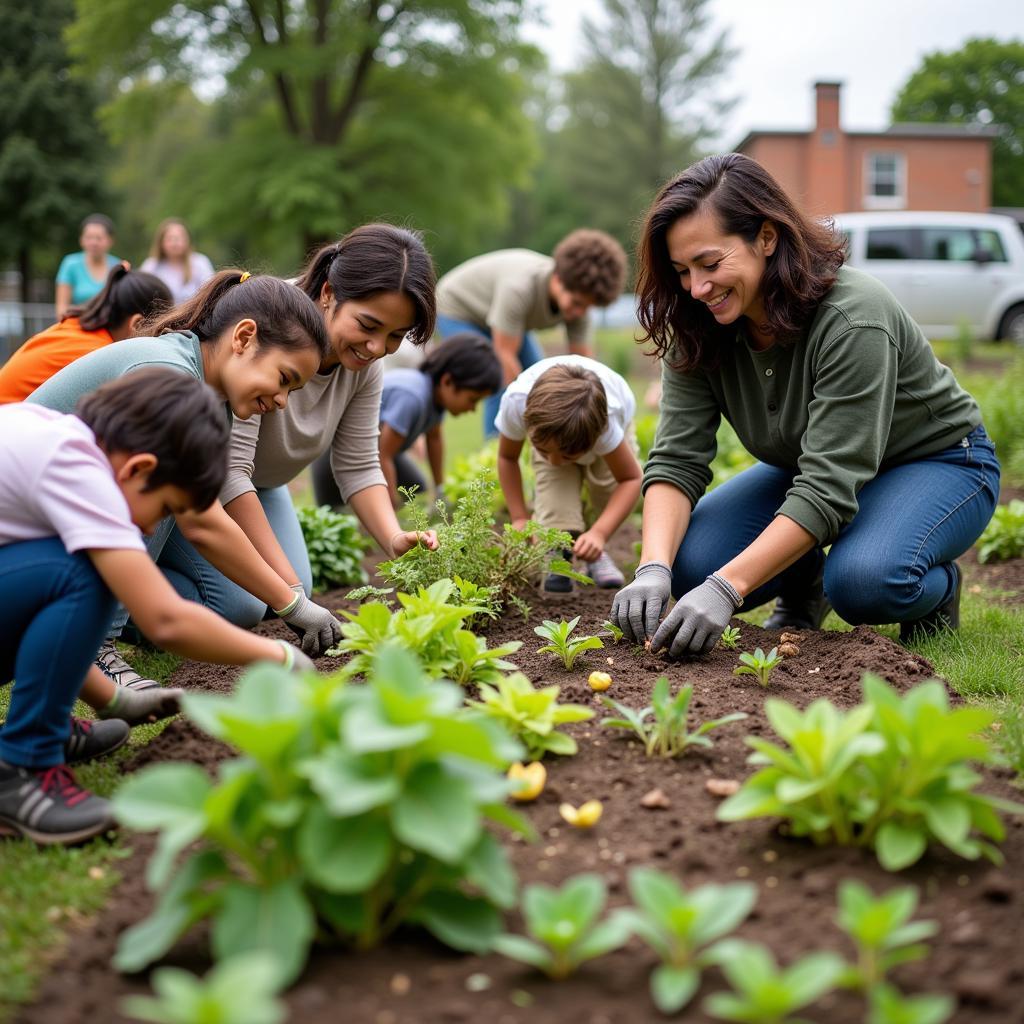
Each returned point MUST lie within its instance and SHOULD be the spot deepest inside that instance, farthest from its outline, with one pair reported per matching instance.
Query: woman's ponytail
(125, 294)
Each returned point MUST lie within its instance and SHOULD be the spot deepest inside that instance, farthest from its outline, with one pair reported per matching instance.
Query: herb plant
(758, 664)
(351, 810)
(564, 927)
(678, 925)
(239, 990)
(562, 644)
(612, 630)
(730, 637)
(532, 716)
(336, 545)
(1004, 536)
(881, 930)
(764, 994)
(892, 774)
(889, 1006)
(662, 727)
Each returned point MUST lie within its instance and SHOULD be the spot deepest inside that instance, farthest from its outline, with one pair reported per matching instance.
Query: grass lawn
(48, 892)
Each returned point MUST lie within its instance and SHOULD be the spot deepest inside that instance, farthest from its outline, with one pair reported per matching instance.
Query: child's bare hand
(407, 540)
(519, 524)
(589, 546)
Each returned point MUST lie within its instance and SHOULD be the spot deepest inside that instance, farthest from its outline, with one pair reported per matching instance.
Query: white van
(949, 270)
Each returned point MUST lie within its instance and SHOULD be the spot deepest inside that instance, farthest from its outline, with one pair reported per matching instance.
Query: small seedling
(889, 1006)
(612, 630)
(762, 993)
(1004, 536)
(730, 637)
(678, 925)
(666, 735)
(564, 927)
(562, 644)
(881, 930)
(758, 664)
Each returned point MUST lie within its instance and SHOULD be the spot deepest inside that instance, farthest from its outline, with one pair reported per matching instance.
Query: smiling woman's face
(362, 330)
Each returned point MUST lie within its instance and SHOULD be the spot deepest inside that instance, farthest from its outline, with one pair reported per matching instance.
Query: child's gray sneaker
(118, 671)
(605, 573)
(89, 740)
(553, 582)
(48, 806)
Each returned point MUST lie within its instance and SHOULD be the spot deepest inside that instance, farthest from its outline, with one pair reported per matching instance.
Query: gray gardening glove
(318, 629)
(294, 659)
(695, 624)
(638, 607)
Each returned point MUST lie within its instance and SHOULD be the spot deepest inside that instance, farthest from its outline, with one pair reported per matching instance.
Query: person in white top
(578, 416)
(75, 492)
(173, 260)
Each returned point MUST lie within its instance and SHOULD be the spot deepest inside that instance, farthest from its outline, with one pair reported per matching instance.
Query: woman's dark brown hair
(742, 195)
(285, 317)
(125, 293)
(373, 259)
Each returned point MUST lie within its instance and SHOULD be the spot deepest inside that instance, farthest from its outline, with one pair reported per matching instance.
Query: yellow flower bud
(531, 777)
(586, 816)
(599, 681)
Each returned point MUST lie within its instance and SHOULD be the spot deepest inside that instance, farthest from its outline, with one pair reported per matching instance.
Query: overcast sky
(871, 46)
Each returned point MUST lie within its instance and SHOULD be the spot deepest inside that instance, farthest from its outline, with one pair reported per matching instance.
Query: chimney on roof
(826, 104)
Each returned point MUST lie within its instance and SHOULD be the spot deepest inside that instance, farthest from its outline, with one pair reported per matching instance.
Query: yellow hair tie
(245, 276)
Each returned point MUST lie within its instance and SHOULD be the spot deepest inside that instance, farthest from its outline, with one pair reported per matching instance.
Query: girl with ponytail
(127, 298)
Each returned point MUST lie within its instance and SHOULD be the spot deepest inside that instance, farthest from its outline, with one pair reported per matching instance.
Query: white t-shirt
(55, 481)
(621, 403)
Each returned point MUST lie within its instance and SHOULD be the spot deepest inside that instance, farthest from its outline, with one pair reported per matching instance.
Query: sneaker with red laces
(48, 806)
(94, 739)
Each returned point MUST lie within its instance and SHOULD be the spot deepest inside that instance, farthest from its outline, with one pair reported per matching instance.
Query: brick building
(905, 167)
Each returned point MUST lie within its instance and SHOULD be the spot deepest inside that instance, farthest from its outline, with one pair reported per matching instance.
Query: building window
(885, 181)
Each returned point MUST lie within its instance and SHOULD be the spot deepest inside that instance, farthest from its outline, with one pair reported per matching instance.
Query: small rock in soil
(655, 800)
(966, 934)
(997, 888)
(788, 650)
(790, 638)
(722, 787)
(980, 987)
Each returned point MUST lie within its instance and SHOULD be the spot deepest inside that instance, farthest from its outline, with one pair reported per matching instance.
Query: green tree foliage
(332, 111)
(51, 153)
(982, 83)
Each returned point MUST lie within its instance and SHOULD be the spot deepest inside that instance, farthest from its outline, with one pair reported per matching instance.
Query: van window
(990, 242)
(890, 244)
(947, 243)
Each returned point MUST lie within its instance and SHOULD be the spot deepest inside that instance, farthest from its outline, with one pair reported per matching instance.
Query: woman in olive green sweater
(865, 441)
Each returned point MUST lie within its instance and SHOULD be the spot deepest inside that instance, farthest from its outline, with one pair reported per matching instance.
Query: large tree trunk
(25, 269)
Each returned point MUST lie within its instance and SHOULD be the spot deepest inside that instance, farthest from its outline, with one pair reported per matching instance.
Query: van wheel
(1011, 327)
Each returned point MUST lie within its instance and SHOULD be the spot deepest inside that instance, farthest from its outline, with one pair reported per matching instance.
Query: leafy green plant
(881, 930)
(758, 664)
(888, 1006)
(764, 994)
(1004, 536)
(351, 810)
(532, 716)
(238, 990)
(470, 549)
(562, 644)
(662, 727)
(431, 627)
(336, 546)
(564, 927)
(730, 637)
(892, 774)
(678, 924)
(612, 630)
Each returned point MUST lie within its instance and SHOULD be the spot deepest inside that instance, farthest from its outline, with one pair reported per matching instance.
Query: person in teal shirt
(82, 274)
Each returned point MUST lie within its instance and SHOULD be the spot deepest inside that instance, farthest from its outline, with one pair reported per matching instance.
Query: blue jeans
(57, 610)
(891, 563)
(529, 353)
(195, 579)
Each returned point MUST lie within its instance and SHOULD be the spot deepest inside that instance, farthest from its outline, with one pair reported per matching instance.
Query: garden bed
(978, 954)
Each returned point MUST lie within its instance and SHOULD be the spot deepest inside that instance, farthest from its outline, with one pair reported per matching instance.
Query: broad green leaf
(487, 867)
(607, 935)
(344, 855)
(673, 987)
(463, 922)
(812, 976)
(898, 846)
(436, 814)
(348, 785)
(949, 818)
(516, 947)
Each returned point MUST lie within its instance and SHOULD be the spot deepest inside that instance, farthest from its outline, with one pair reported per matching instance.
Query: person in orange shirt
(127, 298)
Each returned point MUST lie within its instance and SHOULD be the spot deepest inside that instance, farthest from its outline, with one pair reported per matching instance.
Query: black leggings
(326, 492)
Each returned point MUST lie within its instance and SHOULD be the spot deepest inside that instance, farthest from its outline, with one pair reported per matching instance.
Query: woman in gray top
(374, 287)
(866, 442)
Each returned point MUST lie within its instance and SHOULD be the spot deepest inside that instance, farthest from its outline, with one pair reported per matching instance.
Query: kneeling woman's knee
(869, 593)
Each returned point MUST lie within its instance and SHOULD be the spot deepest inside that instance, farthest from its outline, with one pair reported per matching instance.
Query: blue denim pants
(529, 353)
(57, 610)
(891, 563)
(195, 579)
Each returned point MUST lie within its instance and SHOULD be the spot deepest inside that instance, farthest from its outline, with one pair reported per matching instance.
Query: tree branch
(281, 82)
(357, 83)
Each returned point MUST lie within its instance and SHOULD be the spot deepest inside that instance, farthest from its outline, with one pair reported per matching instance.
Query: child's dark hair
(168, 414)
(470, 360)
(372, 259)
(566, 409)
(101, 219)
(285, 317)
(126, 293)
(591, 263)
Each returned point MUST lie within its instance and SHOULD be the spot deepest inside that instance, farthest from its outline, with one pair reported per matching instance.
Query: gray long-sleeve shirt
(339, 410)
(860, 392)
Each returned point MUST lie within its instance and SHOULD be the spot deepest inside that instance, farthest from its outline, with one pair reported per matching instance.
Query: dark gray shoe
(89, 740)
(48, 806)
(804, 610)
(946, 616)
(555, 584)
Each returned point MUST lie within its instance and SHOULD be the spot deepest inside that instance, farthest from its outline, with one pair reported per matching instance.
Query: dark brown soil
(978, 954)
